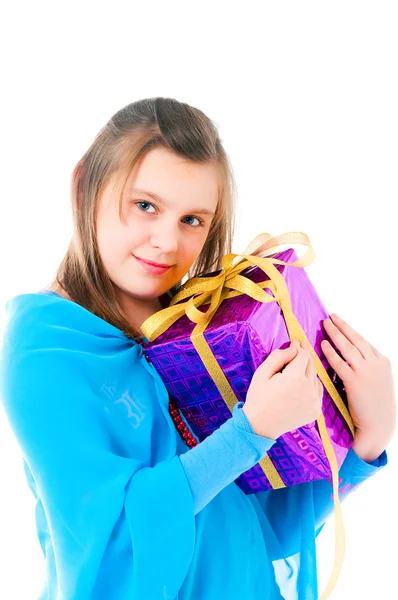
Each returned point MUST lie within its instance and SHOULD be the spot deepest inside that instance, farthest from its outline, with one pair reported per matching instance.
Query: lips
(151, 267)
(150, 262)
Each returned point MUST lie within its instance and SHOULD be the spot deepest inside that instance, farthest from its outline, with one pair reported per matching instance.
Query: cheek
(113, 244)
(116, 238)
(191, 250)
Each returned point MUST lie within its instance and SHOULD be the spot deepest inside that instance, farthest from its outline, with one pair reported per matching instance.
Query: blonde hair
(124, 141)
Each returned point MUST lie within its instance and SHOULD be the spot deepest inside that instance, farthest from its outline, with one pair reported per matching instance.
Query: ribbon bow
(228, 283)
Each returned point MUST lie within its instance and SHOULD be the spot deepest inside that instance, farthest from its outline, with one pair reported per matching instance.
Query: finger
(350, 338)
(339, 365)
(299, 362)
(349, 352)
(305, 363)
(310, 370)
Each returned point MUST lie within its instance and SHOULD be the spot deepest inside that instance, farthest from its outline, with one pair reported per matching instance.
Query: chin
(146, 293)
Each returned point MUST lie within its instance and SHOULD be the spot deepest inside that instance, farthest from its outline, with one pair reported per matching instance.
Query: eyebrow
(200, 211)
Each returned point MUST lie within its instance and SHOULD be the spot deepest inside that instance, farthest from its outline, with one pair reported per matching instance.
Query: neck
(138, 310)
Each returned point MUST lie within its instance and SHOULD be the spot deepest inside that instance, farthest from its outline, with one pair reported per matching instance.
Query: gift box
(241, 333)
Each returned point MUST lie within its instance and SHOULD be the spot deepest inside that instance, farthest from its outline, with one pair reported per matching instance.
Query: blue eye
(142, 204)
(199, 221)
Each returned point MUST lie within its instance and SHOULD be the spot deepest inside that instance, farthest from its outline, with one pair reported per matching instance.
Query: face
(170, 230)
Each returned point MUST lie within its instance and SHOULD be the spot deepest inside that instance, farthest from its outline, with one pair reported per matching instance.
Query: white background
(305, 98)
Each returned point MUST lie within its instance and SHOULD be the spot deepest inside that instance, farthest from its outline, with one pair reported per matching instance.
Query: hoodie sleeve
(224, 455)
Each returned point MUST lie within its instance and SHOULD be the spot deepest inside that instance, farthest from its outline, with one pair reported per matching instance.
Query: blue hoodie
(125, 510)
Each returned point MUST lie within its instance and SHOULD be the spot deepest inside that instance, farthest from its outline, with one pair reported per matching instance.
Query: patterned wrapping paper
(241, 334)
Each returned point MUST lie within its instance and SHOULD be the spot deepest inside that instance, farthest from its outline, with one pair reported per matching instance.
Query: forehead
(175, 180)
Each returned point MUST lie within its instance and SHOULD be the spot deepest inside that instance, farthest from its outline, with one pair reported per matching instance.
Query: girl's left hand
(367, 379)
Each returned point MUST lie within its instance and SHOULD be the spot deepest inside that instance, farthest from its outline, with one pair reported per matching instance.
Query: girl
(127, 506)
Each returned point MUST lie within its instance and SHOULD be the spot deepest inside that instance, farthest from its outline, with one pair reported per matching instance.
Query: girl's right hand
(278, 402)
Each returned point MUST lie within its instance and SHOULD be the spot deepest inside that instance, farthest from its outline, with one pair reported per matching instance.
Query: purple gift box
(241, 334)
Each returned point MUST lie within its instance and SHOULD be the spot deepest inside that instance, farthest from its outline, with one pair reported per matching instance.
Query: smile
(151, 267)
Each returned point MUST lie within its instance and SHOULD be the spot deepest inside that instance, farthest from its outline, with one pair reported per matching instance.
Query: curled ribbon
(228, 283)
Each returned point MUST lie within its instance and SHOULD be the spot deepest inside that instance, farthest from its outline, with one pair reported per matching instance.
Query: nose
(165, 238)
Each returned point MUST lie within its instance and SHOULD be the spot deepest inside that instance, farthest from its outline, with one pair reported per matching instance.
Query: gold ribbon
(212, 291)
